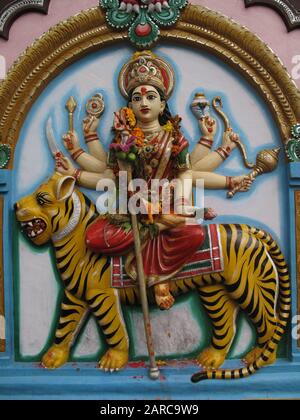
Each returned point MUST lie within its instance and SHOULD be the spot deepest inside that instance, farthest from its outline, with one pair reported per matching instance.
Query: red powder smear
(162, 378)
(137, 364)
(143, 90)
(187, 362)
(40, 365)
(138, 377)
(177, 363)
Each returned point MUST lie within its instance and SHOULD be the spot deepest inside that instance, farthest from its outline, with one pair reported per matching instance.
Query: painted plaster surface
(2, 327)
(268, 25)
(258, 19)
(162, 325)
(249, 116)
(91, 75)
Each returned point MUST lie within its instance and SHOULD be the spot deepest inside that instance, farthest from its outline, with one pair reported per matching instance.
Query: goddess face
(146, 103)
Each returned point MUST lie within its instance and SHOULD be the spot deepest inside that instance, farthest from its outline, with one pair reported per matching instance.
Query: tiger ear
(65, 188)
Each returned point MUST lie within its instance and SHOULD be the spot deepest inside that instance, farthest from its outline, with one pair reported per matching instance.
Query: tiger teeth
(33, 228)
(34, 234)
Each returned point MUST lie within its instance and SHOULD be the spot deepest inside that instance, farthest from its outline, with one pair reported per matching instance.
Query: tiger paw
(211, 358)
(55, 357)
(252, 356)
(255, 354)
(114, 360)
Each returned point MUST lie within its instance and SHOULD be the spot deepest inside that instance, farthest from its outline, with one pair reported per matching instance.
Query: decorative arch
(289, 10)
(85, 33)
(10, 10)
(198, 27)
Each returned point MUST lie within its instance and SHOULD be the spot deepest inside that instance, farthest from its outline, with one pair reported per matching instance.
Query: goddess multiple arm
(93, 163)
(204, 161)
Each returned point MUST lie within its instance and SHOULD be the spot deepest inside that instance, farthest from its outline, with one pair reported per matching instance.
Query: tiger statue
(255, 279)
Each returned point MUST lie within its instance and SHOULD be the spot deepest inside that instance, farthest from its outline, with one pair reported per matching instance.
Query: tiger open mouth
(33, 228)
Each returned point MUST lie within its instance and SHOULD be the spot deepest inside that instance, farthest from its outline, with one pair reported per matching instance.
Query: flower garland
(130, 139)
(129, 144)
(175, 123)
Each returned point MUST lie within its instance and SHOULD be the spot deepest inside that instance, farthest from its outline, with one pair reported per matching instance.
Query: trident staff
(121, 125)
(94, 108)
(153, 371)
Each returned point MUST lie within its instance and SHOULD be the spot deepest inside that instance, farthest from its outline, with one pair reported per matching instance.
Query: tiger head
(42, 213)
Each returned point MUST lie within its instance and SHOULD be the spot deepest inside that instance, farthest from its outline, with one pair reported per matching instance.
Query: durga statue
(153, 252)
(147, 139)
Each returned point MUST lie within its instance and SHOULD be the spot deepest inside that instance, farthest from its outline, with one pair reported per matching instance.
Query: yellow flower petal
(168, 127)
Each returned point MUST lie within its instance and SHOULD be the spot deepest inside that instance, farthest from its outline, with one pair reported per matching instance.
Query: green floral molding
(142, 17)
(292, 148)
(5, 153)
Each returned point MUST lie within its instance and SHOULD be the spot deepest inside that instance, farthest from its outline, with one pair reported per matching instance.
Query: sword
(56, 153)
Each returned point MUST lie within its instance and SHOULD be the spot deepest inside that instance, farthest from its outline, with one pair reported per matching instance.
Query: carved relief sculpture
(12, 9)
(288, 9)
(149, 241)
(148, 138)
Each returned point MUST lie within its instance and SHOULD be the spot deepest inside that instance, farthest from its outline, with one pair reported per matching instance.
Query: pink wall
(268, 25)
(263, 21)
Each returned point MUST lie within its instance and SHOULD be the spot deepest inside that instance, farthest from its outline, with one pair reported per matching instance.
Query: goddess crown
(145, 68)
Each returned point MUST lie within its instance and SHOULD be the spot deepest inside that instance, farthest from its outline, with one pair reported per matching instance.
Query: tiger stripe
(281, 323)
(71, 315)
(255, 279)
(245, 254)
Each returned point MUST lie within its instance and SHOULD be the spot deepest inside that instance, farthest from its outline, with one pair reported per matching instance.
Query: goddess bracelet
(224, 153)
(76, 154)
(91, 137)
(229, 183)
(206, 142)
(77, 174)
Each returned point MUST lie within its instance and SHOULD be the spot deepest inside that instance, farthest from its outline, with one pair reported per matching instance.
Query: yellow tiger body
(255, 279)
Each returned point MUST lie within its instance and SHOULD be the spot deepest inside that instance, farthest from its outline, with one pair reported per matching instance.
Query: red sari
(165, 254)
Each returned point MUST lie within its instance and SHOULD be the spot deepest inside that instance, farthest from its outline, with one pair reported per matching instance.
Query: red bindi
(143, 90)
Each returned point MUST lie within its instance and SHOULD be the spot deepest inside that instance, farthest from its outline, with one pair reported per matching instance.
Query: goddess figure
(148, 138)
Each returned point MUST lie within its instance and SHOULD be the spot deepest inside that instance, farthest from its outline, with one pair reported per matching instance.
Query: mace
(266, 160)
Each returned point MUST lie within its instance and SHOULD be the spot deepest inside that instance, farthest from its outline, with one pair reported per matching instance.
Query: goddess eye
(136, 98)
(151, 97)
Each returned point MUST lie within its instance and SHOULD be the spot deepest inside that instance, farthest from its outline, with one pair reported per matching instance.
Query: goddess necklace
(150, 136)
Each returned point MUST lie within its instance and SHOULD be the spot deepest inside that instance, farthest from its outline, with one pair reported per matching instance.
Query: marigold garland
(136, 137)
